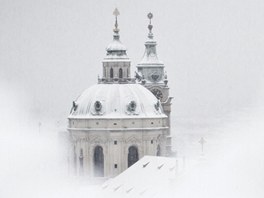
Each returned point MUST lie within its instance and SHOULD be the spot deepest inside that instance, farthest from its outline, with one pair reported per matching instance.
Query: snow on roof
(116, 45)
(150, 57)
(115, 100)
(149, 177)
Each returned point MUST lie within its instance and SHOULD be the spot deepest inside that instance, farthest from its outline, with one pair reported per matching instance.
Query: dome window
(98, 106)
(132, 106)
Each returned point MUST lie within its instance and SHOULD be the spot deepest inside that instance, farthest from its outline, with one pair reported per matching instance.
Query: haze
(50, 51)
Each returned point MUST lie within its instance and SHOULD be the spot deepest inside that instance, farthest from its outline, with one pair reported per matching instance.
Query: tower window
(120, 73)
(115, 142)
(151, 141)
(111, 73)
(115, 165)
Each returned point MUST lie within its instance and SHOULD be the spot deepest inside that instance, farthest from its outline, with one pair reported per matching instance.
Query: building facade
(117, 121)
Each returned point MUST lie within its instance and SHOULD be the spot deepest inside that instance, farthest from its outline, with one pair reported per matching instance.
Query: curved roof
(116, 45)
(116, 101)
(116, 50)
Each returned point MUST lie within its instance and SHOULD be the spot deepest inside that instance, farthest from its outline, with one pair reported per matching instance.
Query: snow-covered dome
(115, 45)
(116, 101)
(116, 49)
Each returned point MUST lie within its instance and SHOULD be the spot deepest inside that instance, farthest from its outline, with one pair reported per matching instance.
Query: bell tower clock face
(157, 93)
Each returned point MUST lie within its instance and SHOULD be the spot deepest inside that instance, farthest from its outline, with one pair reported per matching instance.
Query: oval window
(97, 106)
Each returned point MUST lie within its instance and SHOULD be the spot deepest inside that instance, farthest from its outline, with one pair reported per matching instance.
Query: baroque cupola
(116, 64)
(116, 94)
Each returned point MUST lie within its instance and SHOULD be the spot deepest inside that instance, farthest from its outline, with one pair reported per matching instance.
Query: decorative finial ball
(150, 27)
(150, 15)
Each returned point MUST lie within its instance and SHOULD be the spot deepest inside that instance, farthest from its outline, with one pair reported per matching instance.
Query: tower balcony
(116, 80)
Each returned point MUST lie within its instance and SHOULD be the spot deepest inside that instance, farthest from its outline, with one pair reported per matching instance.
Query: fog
(34, 163)
(50, 51)
(232, 168)
(212, 50)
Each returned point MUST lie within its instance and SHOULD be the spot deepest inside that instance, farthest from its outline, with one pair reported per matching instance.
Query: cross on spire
(150, 16)
(202, 142)
(116, 13)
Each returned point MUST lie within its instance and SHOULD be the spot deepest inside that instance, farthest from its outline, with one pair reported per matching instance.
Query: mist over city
(52, 51)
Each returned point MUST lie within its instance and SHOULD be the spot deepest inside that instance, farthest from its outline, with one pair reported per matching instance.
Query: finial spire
(150, 16)
(116, 13)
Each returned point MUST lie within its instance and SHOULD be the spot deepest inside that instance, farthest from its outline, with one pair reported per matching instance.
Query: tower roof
(116, 64)
(116, 49)
(150, 57)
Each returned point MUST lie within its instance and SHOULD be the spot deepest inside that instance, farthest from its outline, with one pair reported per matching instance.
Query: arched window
(132, 155)
(81, 161)
(120, 73)
(158, 150)
(98, 161)
(111, 73)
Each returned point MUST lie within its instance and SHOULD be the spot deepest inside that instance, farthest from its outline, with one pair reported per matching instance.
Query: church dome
(116, 101)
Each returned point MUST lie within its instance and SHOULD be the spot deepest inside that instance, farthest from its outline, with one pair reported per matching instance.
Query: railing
(116, 80)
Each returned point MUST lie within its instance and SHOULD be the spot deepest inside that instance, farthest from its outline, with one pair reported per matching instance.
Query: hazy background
(50, 51)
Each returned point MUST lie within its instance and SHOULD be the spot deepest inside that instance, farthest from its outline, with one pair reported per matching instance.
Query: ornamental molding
(97, 140)
(132, 140)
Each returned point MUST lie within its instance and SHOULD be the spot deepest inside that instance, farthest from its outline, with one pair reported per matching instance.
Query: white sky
(50, 51)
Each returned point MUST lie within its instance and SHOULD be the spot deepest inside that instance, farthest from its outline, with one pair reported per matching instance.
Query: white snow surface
(115, 99)
(116, 45)
(151, 59)
(150, 55)
(146, 178)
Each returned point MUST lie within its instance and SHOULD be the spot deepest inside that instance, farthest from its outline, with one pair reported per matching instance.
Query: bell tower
(151, 74)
